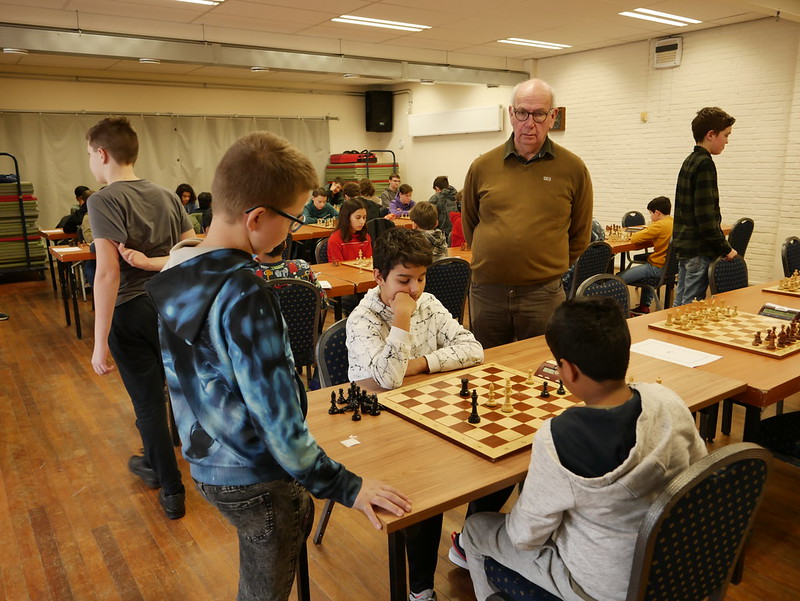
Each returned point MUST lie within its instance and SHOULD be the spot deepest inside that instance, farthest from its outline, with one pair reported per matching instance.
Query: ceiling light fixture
(14, 51)
(150, 61)
(204, 2)
(350, 19)
(534, 43)
(259, 69)
(658, 17)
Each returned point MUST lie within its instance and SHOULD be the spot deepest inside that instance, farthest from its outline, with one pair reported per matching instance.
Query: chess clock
(547, 371)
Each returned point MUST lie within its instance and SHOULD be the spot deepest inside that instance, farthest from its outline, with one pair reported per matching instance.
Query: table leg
(62, 279)
(752, 423)
(73, 285)
(303, 592)
(397, 566)
(337, 309)
(50, 258)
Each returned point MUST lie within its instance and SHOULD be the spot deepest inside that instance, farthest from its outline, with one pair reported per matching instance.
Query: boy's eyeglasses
(538, 116)
(297, 223)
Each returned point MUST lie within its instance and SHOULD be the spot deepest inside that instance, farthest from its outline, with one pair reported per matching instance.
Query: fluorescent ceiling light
(534, 43)
(150, 61)
(14, 51)
(655, 13)
(380, 23)
(204, 2)
(652, 15)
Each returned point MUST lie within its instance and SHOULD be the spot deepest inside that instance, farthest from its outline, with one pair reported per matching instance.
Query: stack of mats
(12, 242)
(351, 172)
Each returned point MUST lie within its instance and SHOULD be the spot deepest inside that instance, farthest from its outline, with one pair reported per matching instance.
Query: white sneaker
(427, 595)
(456, 553)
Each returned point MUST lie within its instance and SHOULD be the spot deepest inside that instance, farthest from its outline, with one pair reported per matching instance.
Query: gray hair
(542, 82)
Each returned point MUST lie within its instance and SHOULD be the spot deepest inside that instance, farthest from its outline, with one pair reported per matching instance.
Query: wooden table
(311, 232)
(439, 475)
(66, 256)
(51, 236)
(768, 380)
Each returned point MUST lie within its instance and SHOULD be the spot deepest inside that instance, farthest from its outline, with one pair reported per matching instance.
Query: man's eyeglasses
(538, 116)
(297, 223)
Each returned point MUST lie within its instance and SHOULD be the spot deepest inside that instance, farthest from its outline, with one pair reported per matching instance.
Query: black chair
(448, 280)
(332, 365)
(321, 251)
(633, 219)
(668, 279)
(739, 236)
(691, 543)
(301, 307)
(594, 260)
(790, 255)
(606, 284)
(375, 227)
(727, 275)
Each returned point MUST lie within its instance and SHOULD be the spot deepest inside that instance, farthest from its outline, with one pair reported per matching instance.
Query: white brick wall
(751, 70)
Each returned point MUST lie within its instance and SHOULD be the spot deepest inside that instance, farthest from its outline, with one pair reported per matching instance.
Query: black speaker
(379, 108)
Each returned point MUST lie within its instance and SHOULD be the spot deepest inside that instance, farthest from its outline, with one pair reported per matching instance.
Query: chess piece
(560, 388)
(757, 339)
(356, 413)
(669, 318)
(375, 409)
(658, 380)
(491, 402)
(507, 408)
(530, 377)
(771, 340)
(464, 388)
(474, 418)
(545, 391)
(341, 400)
(333, 408)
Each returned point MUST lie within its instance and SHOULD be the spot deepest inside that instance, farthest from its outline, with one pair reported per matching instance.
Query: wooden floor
(74, 524)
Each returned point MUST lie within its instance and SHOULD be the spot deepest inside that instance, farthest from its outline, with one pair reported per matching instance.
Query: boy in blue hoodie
(239, 403)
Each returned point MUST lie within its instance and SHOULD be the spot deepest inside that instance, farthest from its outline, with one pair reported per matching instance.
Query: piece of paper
(351, 441)
(673, 353)
(70, 249)
(325, 284)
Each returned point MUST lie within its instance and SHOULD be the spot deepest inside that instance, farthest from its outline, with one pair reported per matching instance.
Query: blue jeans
(640, 272)
(501, 314)
(273, 520)
(692, 280)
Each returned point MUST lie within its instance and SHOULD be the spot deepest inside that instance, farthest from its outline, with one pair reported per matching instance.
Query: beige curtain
(51, 150)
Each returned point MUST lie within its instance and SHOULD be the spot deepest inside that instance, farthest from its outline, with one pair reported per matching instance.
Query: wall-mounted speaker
(379, 109)
(667, 53)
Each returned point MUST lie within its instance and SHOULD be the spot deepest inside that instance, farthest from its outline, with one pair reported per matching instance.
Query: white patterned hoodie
(380, 351)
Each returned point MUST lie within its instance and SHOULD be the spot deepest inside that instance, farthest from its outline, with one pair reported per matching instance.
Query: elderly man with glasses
(527, 213)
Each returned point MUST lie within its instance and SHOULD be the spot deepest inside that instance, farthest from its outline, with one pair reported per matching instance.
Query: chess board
(436, 406)
(365, 264)
(326, 225)
(787, 291)
(735, 332)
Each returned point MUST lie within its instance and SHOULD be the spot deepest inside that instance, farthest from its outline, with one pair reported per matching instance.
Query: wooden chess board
(787, 291)
(436, 406)
(365, 264)
(735, 332)
(326, 226)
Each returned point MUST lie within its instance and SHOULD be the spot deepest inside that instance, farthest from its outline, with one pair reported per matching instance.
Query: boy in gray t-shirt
(139, 222)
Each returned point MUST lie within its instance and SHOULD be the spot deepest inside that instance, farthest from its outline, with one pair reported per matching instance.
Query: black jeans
(422, 551)
(134, 344)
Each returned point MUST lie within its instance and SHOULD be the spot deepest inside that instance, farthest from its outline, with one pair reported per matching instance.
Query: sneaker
(456, 553)
(139, 468)
(174, 505)
(642, 310)
(427, 595)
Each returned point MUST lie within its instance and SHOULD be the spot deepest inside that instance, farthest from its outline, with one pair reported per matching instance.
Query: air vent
(667, 53)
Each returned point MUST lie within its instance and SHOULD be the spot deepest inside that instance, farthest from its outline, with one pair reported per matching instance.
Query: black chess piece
(464, 388)
(341, 400)
(356, 413)
(375, 409)
(545, 391)
(560, 388)
(333, 410)
(474, 418)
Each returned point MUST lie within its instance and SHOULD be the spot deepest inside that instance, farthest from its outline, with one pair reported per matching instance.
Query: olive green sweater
(526, 222)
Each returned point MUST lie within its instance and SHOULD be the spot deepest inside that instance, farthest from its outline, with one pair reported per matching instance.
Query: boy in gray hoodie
(594, 470)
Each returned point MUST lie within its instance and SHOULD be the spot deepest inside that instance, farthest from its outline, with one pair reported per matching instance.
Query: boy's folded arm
(457, 346)
(383, 360)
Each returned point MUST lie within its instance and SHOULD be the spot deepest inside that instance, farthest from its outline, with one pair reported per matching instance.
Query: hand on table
(375, 493)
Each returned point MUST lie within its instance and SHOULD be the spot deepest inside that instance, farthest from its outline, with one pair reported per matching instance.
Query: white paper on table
(325, 284)
(673, 353)
(69, 249)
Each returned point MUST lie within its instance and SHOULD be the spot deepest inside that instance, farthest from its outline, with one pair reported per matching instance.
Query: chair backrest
(375, 227)
(727, 275)
(790, 255)
(301, 307)
(739, 236)
(321, 251)
(606, 284)
(594, 260)
(448, 280)
(633, 218)
(332, 362)
(695, 530)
